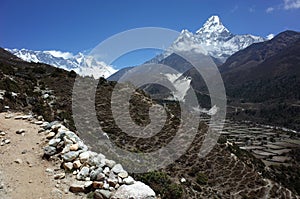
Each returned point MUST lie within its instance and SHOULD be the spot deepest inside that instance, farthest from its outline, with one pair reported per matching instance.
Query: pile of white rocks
(92, 170)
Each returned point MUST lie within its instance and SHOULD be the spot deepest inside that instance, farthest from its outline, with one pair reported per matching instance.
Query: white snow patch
(212, 111)
(181, 85)
(270, 36)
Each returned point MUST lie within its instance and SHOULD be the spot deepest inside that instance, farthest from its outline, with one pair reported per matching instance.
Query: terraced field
(270, 144)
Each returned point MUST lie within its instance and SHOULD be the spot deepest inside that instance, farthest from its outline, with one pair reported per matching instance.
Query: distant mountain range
(213, 37)
(82, 64)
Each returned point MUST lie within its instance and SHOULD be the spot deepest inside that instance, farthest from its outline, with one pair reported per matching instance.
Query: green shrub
(201, 179)
(174, 191)
(222, 139)
(161, 183)
(72, 74)
(6, 69)
(39, 70)
(9, 85)
(90, 195)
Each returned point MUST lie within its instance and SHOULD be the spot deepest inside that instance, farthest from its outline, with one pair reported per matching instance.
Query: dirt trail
(22, 169)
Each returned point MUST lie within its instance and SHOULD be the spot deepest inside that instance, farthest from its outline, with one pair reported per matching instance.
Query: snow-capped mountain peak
(213, 38)
(213, 25)
(83, 65)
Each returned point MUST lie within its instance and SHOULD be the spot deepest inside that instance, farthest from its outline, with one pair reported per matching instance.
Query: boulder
(39, 122)
(129, 180)
(95, 173)
(96, 160)
(54, 142)
(117, 168)
(83, 157)
(74, 147)
(59, 176)
(70, 156)
(68, 166)
(72, 136)
(100, 176)
(98, 195)
(104, 193)
(138, 190)
(106, 171)
(88, 184)
(77, 187)
(49, 125)
(110, 163)
(123, 174)
(112, 180)
(50, 135)
(76, 164)
(84, 172)
(50, 150)
(98, 185)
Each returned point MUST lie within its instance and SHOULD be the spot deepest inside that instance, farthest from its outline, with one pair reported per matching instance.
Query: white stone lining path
(84, 170)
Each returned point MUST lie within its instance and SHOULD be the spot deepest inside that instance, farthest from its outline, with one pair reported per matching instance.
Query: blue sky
(73, 26)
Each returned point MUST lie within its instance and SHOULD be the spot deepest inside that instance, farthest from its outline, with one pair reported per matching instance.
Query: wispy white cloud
(235, 8)
(286, 5)
(291, 4)
(252, 9)
(270, 9)
(57, 53)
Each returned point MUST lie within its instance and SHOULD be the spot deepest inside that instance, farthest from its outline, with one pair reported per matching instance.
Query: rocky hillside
(225, 172)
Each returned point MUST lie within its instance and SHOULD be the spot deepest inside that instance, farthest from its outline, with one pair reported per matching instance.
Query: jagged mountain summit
(82, 64)
(213, 38)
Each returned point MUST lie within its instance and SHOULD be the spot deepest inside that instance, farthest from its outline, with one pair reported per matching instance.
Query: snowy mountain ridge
(213, 39)
(83, 65)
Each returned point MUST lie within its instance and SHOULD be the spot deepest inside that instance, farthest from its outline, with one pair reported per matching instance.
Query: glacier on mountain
(181, 85)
